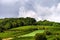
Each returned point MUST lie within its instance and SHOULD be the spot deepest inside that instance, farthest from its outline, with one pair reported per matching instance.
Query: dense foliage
(48, 23)
(9, 23)
(40, 36)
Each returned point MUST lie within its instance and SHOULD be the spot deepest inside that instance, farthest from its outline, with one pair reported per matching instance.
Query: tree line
(8, 23)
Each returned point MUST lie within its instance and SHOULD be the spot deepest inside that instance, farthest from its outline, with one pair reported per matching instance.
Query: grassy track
(33, 33)
(29, 36)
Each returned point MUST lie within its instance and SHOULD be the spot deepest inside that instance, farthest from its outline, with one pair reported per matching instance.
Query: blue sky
(38, 9)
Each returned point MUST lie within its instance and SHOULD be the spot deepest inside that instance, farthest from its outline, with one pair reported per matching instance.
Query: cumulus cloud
(55, 13)
(24, 13)
(40, 12)
(38, 9)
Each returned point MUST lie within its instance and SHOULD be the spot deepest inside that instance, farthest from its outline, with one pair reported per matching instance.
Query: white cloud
(39, 10)
(56, 13)
(41, 13)
(24, 13)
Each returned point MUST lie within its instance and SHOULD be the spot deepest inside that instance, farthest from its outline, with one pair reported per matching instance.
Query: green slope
(33, 33)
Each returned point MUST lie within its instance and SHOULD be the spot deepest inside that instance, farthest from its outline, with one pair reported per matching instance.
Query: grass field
(28, 32)
(33, 33)
(29, 36)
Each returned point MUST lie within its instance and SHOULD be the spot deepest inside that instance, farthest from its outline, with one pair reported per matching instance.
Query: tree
(7, 26)
(30, 21)
(48, 33)
(40, 36)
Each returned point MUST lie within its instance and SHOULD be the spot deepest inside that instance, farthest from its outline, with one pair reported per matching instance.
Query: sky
(38, 9)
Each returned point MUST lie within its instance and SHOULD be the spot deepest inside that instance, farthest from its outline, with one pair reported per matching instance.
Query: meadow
(28, 32)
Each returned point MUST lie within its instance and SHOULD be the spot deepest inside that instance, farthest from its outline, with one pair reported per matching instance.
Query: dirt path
(7, 38)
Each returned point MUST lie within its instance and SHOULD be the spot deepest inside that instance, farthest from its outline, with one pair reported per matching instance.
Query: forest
(8, 23)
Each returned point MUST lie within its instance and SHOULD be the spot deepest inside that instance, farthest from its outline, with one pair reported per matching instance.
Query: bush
(56, 34)
(48, 33)
(0, 38)
(56, 38)
(40, 36)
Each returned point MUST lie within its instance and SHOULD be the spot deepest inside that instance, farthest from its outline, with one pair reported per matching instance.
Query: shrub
(56, 34)
(56, 38)
(48, 33)
(40, 36)
(0, 38)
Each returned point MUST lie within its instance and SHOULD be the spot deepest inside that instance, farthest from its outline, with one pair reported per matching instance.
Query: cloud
(52, 13)
(56, 13)
(40, 12)
(38, 9)
(35, 10)
(24, 13)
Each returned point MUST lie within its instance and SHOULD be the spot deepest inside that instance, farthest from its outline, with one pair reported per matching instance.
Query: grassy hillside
(28, 32)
